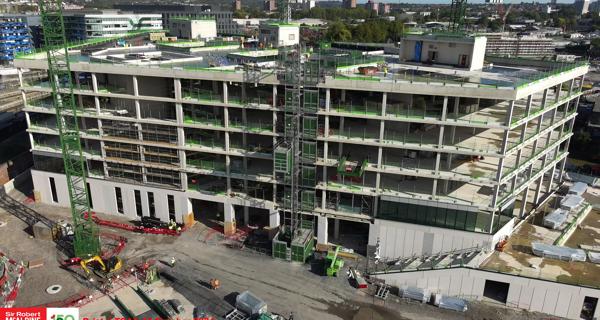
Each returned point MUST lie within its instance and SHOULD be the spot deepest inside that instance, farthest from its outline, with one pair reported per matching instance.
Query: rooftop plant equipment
(348, 169)
(86, 242)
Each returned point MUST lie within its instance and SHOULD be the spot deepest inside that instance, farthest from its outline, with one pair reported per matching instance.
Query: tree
(338, 31)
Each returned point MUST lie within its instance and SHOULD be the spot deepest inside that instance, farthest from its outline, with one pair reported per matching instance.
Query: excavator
(111, 265)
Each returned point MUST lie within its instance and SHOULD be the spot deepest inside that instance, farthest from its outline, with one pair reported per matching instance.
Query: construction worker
(172, 262)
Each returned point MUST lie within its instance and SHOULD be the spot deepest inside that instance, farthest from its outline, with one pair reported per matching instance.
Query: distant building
(82, 26)
(193, 29)
(499, 45)
(237, 5)
(494, 1)
(349, 4)
(582, 6)
(270, 5)
(384, 8)
(15, 38)
(372, 6)
(225, 23)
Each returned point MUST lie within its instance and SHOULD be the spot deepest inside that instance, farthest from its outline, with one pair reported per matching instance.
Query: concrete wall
(193, 29)
(399, 239)
(557, 299)
(448, 51)
(104, 197)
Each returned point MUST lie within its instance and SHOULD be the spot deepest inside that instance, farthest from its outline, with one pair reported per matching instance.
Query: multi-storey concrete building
(420, 157)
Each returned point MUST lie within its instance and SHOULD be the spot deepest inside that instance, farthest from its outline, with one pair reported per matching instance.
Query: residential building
(349, 4)
(372, 6)
(270, 5)
(15, 38)
(525, 46)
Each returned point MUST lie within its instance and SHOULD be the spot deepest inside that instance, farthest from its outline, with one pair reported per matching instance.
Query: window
(292, 37)
(53, 190)
(89, 194)
(171, 202)
(151, 208)
(138, 203)
(119, 197)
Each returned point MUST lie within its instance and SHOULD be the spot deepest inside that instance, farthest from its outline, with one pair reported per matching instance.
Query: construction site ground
(285, 287)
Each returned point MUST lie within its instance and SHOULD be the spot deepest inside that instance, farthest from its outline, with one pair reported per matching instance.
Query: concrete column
(523, 203)
(561, 171)
(78, 86)
(509, 112)
(440, 143)
(336, 229)
(95, 83)
(571, 85)
(225, 92)
(552, 173)
(558, 87)
(229, 219)
(274, 220)
(177, 88)
(136, 91)
(246, 215)
(322, 230)
(343, 98)
(545, 98)
(538, 188)
(188, 211)
(324, 197)
(528, 106)
(327, 99)
(384, 104)
(274, 95)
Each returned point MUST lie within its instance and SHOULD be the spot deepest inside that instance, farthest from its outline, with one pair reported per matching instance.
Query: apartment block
(418, 156)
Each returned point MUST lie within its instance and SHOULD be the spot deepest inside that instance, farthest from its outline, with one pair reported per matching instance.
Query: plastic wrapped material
(422, 295)
(557, 252)
(570, 202)
(594, 257)
(450, 303)
(578, 188)
(250, 304)
(555, 219)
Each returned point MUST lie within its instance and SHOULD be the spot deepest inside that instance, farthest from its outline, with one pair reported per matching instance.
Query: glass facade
(443, 217)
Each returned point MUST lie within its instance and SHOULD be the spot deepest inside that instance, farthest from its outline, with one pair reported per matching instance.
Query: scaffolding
(295, 154)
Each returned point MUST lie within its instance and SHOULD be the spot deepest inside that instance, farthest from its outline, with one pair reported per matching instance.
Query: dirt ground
(286, 287)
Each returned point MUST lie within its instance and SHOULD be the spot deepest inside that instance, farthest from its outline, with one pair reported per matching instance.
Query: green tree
(338, 31)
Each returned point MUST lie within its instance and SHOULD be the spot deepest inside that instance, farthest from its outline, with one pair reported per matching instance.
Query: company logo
(62, 314)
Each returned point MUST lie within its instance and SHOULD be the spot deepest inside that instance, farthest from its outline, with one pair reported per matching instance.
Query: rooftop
(497, 73)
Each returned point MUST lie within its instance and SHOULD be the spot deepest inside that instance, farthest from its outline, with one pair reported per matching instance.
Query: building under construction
(429, 150)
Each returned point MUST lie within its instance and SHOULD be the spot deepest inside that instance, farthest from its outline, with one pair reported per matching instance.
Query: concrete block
(42, 231)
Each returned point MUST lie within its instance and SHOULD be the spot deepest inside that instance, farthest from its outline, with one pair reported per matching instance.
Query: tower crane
(86, 241)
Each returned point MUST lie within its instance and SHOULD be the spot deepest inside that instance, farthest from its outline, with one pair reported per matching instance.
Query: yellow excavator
(111, 265)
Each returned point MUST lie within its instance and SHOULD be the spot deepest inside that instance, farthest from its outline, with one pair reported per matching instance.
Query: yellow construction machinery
(112, 264)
